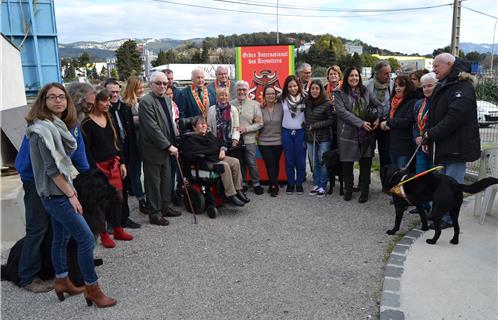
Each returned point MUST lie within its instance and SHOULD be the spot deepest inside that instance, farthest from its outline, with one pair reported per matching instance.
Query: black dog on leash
(445, 193)
(97, 197)
(334, 169)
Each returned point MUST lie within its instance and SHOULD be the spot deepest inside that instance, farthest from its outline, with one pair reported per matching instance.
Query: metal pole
(493, 48)
(455, 29)
(278, 38)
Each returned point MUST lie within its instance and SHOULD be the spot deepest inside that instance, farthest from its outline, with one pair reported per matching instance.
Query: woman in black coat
(400, 122)
(318, 121)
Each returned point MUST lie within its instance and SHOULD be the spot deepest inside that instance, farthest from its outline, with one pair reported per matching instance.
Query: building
(352, 48)
(410, 62)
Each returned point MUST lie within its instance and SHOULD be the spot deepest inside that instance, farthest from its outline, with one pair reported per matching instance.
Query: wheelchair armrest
(218, 168)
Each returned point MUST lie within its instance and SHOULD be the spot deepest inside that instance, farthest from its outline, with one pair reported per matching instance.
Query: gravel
(290, 257)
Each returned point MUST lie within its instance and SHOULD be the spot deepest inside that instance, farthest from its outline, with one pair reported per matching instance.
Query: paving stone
(414, 233)
(407, 241)
(391, 285)
(400, 249)
(390, 299)
(397, 259)
(393, 272)
(390, 314)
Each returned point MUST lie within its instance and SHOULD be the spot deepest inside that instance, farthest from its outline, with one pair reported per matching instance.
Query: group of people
(119, 135)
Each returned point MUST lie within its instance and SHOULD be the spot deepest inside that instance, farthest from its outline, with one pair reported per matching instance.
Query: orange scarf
(395, 103)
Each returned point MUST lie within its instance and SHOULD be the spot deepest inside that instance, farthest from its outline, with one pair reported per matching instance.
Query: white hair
(221, 68)
(446, 57)
(195, 71)
(242, 83)
(302, 66)
(427, 77)
(154, 75)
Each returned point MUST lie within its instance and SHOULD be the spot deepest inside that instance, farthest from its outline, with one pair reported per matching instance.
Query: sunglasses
(159, 83)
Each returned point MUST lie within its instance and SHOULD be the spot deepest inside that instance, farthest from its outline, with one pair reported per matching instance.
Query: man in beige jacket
(250, 121)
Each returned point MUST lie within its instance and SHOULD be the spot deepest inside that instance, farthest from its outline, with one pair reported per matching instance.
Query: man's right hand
(173, 151)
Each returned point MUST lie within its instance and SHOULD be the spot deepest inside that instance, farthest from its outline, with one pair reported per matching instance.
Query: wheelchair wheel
(212, 212)
(197, 198)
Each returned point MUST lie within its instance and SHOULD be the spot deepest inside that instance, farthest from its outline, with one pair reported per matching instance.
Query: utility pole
(455, 29)
(278, 38)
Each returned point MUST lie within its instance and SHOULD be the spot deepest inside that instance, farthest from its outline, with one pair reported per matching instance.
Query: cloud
(415, 31)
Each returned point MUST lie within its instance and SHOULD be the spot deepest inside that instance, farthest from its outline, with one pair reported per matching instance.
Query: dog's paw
(431, 241)
(391, 232)
(454, 241)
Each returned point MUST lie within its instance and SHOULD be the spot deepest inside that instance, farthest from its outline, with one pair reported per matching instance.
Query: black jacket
(453, 125)
(401, 133)
(195, 144)
(129, 147)
(320, 119)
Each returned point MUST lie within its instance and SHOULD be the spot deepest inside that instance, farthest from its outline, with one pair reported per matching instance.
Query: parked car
(487, 113)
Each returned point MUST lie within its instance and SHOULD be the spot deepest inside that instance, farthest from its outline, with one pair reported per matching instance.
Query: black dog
(445, 193)
(96, 196)
(334, 168)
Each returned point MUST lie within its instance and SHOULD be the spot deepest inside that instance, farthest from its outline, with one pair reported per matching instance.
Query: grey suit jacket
(155, 133)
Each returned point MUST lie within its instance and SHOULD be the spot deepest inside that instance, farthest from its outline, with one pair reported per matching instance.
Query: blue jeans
(37, 224)
(66, 223)
(456, 170)
(295, 155)
(320, 174)
(398, 160)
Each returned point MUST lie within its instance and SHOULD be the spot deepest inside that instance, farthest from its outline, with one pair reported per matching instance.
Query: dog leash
(185, 184)
(413, 156)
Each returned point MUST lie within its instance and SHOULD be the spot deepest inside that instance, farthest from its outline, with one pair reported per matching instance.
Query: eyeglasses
(54, 98)
(269, 94)
(159, 83)
(89, 104)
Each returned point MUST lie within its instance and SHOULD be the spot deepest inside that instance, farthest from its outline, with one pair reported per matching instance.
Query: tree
(103, 73)
(205, 52)
(446, 49)
(84, 59)
(357, 60)
(473, 56)
(93, 73)
(369, 60)
(128, 59)
(162, 58)
(114, 73)
(394, 64)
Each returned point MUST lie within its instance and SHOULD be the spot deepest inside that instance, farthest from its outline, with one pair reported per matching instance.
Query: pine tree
(128, 59)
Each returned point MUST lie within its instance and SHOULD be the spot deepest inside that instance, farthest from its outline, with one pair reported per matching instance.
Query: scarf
(58, 141)
(223, 123)
(330, 91)
(380, 89)
(395, 103)
(359, 106)
(423, 112)
(295, 104)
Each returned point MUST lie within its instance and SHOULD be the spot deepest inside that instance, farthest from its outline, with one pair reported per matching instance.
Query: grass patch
(392, 243)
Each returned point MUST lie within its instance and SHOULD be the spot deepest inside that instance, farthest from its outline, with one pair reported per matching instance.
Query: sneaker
(259, 190)
(320, 193)
(290, 190)
(313, 191)
(299, 189)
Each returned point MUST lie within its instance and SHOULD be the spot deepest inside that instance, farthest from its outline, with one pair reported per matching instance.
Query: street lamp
(278, 39)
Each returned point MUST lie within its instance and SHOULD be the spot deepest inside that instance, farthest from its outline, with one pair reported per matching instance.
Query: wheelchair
(203, 185)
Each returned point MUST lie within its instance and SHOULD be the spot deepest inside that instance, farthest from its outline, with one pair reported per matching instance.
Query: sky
(418, 31)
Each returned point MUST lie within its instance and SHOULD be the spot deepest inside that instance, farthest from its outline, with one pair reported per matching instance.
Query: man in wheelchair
(202, 144)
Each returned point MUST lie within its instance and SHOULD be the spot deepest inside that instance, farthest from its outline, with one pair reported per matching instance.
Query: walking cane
(185, 184)
(312, 163)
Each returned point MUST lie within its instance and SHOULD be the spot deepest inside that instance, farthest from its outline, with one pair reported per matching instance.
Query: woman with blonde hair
(134, 90)
(334, 76)
(51, 143)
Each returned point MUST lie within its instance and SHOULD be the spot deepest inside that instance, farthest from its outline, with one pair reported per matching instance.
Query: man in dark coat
(123, 122)
(197, 98)
(157, 137)
(453, 126)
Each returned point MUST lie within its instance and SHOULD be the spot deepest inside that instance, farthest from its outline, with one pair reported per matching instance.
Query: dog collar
(399, 190)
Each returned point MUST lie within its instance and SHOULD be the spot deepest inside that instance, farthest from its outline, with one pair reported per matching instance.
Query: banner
(263, 66)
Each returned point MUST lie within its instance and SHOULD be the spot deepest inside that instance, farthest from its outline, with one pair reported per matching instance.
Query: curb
(390, 299)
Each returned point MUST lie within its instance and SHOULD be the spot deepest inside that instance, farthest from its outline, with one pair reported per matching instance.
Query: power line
(480, 12)
(280, 14)
(262, 4)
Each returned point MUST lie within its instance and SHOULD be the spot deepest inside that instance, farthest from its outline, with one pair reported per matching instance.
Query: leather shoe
(363, 198)
(142, 206)
(131, 224)
(242, 197)
(158, 220)
(236, 201)
(348, 196)
(170, 212)
(259, 190)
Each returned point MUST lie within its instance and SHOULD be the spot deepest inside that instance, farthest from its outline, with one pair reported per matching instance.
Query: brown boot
(94, 294)
(62, 285)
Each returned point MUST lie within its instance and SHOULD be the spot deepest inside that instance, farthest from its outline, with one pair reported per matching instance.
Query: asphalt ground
(290, 257)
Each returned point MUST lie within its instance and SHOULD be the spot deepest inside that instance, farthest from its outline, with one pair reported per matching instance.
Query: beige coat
(234, 114)
(250, 117)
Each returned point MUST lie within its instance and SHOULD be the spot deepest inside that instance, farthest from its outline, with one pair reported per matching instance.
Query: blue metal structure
(30, 25)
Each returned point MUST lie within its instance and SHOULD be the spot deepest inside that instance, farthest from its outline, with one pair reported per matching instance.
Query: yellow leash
(400, 191)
